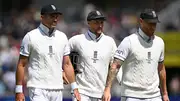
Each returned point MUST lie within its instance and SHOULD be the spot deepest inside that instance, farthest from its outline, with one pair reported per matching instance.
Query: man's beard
(99, 31)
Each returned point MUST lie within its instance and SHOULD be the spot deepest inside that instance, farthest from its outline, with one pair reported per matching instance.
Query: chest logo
(51, 53)
(149, 57)
(95, 56)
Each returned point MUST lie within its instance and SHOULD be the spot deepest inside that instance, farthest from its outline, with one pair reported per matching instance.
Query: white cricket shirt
(140, 68)
(95, 57)
(45, 54)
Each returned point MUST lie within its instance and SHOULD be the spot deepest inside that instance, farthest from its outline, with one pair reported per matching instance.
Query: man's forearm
(162, 76)
(19, 75)
(111, 75)
(113, 70)
(19, 79)
(23, 61)
(69, 71)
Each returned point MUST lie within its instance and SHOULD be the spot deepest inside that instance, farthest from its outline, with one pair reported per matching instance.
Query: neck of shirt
(144, 36)
(46, 30)
(93, 36)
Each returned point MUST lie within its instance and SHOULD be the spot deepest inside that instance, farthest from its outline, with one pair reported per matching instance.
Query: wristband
(74, 85)
(18, 89)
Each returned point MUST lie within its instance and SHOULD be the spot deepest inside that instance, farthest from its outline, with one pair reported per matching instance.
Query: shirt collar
(46, 30)
(144, 36)
(93, 36)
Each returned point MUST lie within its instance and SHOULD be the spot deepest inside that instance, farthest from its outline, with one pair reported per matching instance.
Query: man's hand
(77, 95)
(107, 95)
(165, 97)
(65, 80)
(20, 97)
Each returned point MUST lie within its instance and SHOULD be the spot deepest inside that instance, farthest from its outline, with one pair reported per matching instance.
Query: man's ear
(42, 16)
(140, 20)
(88, 22)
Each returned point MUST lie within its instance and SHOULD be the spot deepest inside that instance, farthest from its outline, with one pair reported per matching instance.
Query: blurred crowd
(15, 25)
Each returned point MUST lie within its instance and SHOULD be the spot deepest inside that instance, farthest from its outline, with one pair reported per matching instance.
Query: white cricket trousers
(38, 94)
(159, 98)
(86, 98)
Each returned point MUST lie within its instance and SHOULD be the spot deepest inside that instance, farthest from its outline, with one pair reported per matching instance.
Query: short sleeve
(114, 48)
(72, 44)
(161, 58)
(66, 48)
(25, 46)
(123, 49)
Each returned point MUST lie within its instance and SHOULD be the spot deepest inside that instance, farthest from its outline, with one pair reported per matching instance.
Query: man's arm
(22, 63)
(69, 71)
(113, 70)
(65, 79)
(162, 77)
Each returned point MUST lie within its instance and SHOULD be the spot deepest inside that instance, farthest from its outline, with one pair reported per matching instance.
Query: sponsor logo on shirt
(120, 52)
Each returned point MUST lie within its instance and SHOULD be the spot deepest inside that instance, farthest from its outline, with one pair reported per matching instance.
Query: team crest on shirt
(149, 57)
(51, 53)
(95, 56)
(22, 48)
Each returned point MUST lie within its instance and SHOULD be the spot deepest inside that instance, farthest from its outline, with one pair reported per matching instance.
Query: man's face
(149, 27)
(96, 25)
(51, 19)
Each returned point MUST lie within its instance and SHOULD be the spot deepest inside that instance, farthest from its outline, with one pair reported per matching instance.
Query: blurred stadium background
(19, 16)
